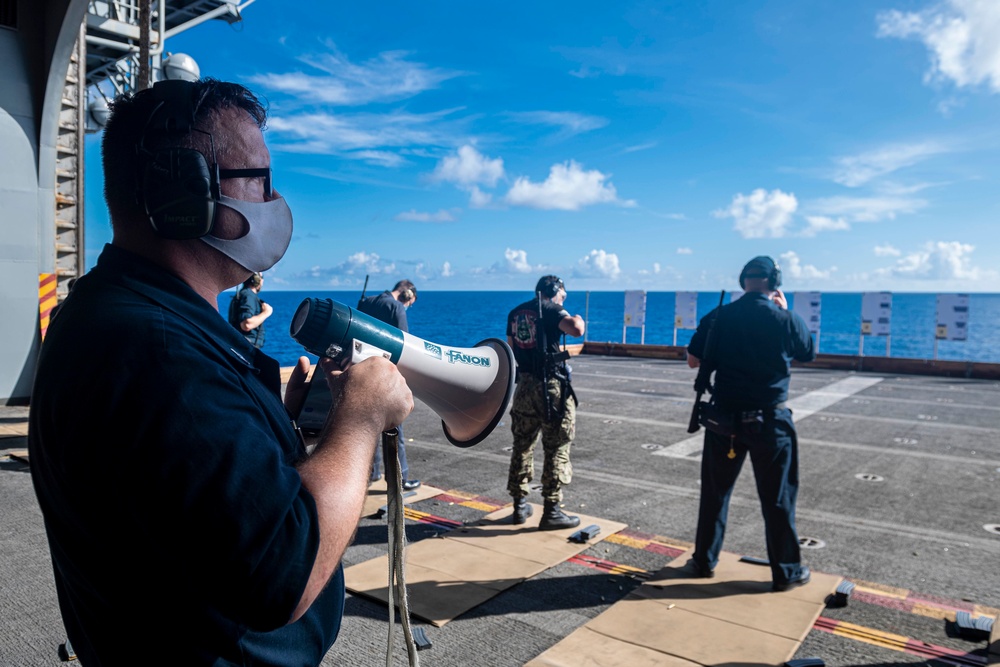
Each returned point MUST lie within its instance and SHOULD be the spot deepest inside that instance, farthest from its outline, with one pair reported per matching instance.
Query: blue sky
(623, 145)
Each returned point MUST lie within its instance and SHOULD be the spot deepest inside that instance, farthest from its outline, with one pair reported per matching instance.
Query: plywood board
(14, 428)
(733, 619)
(377, 496)
(587, 648)
(449, 575)
(19, 455)
(679, 633)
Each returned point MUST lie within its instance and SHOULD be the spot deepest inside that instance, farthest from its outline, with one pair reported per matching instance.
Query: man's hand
(779, 299)
(368, 398)
(372, 390)
(297, 387)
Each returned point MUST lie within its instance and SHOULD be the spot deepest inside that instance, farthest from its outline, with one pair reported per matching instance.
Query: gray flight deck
(900, 494)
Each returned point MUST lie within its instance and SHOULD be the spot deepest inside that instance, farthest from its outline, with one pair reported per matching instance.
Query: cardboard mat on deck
(447, 577)
(677, 620)
(377, 496)
(14, 428)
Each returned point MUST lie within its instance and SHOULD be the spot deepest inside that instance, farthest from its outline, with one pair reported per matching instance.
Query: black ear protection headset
(549, 286)
(176, 186)
(758, 268)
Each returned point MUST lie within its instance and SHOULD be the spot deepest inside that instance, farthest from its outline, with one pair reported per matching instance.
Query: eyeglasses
(250, 173)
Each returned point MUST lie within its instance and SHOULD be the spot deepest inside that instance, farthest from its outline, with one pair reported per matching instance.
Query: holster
(717, 420)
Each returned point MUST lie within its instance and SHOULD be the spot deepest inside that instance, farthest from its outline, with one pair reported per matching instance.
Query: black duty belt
(740, 410)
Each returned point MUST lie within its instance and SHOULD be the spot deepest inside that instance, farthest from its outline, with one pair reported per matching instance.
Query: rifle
(549, 361)
(704, 380)
(550, 410)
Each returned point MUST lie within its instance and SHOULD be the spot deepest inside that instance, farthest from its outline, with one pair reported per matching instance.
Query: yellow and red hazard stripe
(47, 299)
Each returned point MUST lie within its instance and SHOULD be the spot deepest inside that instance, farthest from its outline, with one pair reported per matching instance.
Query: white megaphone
(468, 387)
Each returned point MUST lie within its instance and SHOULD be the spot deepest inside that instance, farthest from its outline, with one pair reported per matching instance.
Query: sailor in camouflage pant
(533, 331)
(527, 420)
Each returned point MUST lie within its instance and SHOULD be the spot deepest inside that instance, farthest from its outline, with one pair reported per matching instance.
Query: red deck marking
(898, 643)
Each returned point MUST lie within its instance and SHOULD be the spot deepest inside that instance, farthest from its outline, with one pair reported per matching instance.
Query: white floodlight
(98, 112)
(181, 66)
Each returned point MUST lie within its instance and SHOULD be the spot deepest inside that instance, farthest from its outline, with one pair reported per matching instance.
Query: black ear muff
(774, 280)
(758, 268)
(177, 186)
(552, 289)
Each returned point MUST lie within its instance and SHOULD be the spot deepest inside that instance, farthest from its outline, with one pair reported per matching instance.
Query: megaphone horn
(468, 387)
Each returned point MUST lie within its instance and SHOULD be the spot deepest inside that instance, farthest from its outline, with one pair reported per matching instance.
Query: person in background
(753, 342)
(390, 307)
(544, 401)
(247, 311)
(186, 522)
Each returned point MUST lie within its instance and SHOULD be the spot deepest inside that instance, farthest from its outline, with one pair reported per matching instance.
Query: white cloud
(469, 167)
(568, 122)
(887, 251)
(685, 251)
(940, 260)
(517, 261)
(865, 209)
(352, 135)
(655, 271)
(792, 267)
(384, 78)
(820, 223)
(761, 214)
(639, 147)
(478, 198)
(418, 216)
(598, 263)
(367, 262)
(963, 37)
(359, 264)
(568, 188)
(855, 170)
(446, 270)
(381, 158)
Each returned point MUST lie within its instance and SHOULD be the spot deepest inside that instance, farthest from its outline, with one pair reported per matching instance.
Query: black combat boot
(522, 510)
(554, 518)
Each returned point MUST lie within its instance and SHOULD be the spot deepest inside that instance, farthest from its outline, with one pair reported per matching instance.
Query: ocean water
(463, 319)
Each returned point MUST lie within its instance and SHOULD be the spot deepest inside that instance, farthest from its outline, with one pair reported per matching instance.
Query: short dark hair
(407, 290)
(549, 286)
(255, 280)
(127, 129)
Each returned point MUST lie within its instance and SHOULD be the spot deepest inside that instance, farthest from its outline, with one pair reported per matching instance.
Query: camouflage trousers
(527, 415)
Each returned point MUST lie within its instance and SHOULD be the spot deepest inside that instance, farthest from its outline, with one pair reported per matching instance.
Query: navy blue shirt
(164, 465)
(753, 345)
(385, 308)
(244, 305)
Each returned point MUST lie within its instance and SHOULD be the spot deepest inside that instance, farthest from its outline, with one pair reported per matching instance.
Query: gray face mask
(266, 242)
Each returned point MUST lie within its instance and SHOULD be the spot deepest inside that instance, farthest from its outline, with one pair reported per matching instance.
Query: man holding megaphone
(178, 499)
(544, 401)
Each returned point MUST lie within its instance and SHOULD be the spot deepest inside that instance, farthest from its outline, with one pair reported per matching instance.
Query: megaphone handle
(397, 542)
